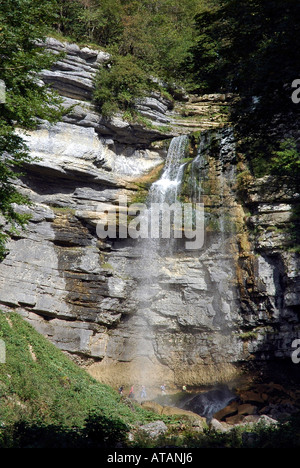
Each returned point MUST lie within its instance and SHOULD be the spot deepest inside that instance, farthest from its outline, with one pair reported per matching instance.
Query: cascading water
(182, 301)
(166, 189)
(163, 192)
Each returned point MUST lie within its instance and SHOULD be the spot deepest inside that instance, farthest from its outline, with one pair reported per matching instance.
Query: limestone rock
(154, 429)
(218, 426)
(73, 77)
(184, 317)
(230, 409)
(267, 421)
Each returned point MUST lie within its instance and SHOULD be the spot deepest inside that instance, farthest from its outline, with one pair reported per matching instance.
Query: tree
(154, 39)
(248, 47)
(161, 33)
(23, 25)
(253, 44)
(286, 161)
(69, 19)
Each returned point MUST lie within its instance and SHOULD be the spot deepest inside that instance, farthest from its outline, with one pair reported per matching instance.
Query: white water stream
(166, 189)
(154, 250)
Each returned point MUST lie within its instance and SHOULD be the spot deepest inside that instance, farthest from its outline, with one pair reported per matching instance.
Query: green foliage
(260, 435)
(69, 19)
(98, 22)
(247, 336)
(119, 84)
(23, 23)
(161, 33)
(283, 435)
(103, 22)
(41, 388)
(248, 48)
(145, 38)
(97, 432)
(286, 161)
(149, 45)
(100, 428)
(13, 153)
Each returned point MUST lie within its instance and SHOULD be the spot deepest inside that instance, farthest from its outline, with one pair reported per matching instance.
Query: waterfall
(153, 250)
(166, 189)
(162, 195)
(181, 295)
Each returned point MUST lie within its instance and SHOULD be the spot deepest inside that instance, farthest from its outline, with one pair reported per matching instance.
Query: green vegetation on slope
(47, 401)
(42, 388)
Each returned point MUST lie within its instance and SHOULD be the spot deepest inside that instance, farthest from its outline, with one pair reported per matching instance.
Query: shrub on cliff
(119, 84)
(286, 160)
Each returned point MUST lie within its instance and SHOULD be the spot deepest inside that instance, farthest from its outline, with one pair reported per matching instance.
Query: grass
(46, 400)
(38, 383)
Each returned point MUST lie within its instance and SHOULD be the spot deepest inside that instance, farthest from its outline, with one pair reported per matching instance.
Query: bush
(102, 431)
(98, 432)
(119, 84)
(286, 161)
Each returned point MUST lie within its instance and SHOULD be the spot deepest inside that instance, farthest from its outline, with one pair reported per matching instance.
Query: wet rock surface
(222, 409)
(205, 312)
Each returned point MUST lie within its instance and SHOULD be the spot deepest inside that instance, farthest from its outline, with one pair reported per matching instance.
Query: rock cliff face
(269, 280)
(205, 312)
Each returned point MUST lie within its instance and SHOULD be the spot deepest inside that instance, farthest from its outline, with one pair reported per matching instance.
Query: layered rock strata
(207, 311)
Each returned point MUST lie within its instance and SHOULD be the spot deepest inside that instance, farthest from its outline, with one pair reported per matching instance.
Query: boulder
(216, 425)
(234, 420)
(247, 409)
(154, 429)
(267, 421)
(229, 410)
